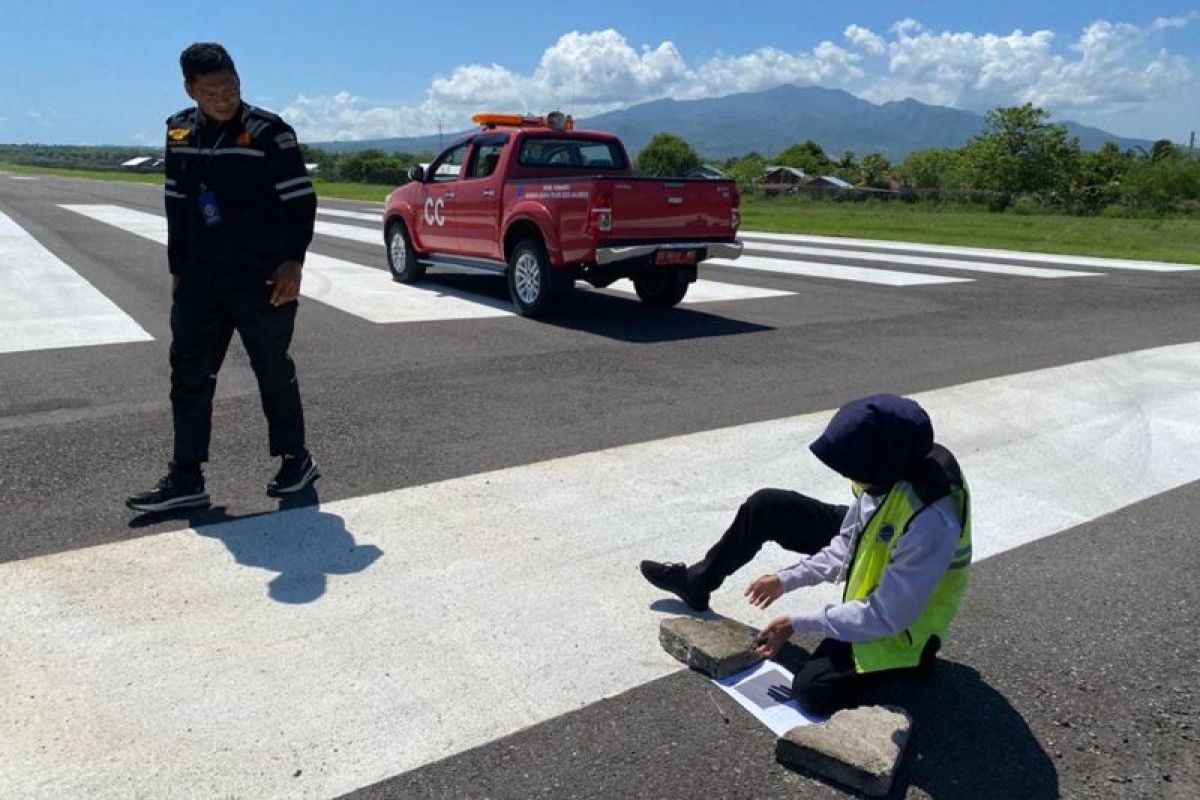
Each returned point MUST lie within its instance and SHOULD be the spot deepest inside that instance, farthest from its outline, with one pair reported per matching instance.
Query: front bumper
(611, 255)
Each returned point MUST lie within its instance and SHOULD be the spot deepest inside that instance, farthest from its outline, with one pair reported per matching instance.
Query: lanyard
(212, 151)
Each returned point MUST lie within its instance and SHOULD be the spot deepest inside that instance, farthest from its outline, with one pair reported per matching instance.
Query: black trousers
(204, 315)
(827, 681)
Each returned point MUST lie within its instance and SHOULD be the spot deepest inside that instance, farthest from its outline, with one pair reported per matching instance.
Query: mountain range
(769, 121)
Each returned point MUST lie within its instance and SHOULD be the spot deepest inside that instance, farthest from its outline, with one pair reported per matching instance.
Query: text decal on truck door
(433, 211)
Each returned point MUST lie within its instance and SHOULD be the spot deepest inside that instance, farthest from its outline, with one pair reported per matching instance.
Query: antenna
(439, 134)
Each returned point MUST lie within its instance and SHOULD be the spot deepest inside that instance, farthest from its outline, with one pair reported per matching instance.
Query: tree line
(1019, 161)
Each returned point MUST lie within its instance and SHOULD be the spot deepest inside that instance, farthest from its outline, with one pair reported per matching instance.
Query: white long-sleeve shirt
(918, 561)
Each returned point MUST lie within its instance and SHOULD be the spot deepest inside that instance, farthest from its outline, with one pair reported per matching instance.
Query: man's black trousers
(204, 315)
(827, 681)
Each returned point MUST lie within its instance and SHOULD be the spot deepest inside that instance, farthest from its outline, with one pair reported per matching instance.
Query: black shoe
(176, 490)
(295, 473)
(674, 578)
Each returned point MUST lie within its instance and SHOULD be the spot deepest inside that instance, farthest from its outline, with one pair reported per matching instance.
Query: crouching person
(902, 548)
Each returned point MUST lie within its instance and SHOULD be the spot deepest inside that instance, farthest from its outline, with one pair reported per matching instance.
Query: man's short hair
(204, 58)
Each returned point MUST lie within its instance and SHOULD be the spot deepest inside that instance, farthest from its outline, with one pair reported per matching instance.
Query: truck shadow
(610, 315)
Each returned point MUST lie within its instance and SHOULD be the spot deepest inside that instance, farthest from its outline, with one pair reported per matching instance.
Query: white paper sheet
(765, 691)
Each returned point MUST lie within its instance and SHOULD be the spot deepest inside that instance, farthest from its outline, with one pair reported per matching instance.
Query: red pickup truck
(545, 205)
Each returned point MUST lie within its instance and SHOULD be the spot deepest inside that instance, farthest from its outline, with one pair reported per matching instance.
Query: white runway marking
(837, 272)
(308, 653)
(917, 261)
(1009, 255)
(355, 233)
(23, 177)
(702, 291)
(46, 304)
(364, 292)
(337, 212)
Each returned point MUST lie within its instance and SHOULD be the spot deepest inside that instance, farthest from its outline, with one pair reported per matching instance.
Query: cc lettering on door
(433, 211)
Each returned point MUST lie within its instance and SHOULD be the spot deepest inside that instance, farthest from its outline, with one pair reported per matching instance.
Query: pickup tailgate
(659, 209)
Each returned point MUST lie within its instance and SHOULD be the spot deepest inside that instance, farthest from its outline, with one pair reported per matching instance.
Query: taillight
(600, 215)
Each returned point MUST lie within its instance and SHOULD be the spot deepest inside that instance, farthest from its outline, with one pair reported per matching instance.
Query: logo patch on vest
(886, 533)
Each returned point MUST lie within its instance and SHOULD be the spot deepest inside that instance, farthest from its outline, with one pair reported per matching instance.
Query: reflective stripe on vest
(872, 555)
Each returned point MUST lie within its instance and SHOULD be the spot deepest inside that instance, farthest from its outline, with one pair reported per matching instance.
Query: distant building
(143, 164)
(705, 171)
(783, 180)
(828, 182)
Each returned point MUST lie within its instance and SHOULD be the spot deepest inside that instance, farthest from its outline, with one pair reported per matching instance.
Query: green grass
(1172, 239)
(94, 174)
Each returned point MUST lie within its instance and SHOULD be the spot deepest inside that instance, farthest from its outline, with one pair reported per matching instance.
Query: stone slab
(718, 647)
(860, 748)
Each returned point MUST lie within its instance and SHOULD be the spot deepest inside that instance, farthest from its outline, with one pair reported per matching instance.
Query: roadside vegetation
(1021, 184)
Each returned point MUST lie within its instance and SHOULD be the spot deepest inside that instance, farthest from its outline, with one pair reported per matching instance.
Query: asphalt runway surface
(490, 483)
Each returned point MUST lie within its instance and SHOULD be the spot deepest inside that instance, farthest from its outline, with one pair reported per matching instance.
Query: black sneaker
(176, 490)
(674, 578)
(295, 473)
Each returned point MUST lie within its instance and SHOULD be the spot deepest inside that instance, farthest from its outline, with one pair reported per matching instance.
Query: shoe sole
(187, 501)
(303, 483)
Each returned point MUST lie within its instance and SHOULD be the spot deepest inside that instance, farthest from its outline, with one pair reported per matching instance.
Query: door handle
(448, 195)
(489, 192)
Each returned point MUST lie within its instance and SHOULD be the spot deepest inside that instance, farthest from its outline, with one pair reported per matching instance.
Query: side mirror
(416, 173)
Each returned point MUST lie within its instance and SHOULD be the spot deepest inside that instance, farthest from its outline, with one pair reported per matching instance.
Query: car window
(546, 151)
(448, 167)
(484, 159)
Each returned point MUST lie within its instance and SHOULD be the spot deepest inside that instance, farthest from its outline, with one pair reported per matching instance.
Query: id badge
(210, 210)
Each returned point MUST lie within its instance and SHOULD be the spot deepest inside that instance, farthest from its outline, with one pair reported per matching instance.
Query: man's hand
(286, 280)
(764, 591)
(773, 637)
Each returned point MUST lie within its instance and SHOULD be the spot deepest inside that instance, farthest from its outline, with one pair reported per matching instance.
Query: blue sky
(81, 73)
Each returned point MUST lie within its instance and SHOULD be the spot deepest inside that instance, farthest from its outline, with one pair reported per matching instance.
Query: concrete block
(717, 647)
(860, 747)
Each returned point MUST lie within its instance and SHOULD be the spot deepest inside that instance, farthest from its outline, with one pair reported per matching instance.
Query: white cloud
(585, 73)
(1106, 68)
(865, 39)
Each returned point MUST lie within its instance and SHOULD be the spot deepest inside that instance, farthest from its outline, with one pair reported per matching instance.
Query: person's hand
(764, 590)
(286, 280)
(773, 637)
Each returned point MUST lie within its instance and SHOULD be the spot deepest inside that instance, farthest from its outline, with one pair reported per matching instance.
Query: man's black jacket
(253, 167)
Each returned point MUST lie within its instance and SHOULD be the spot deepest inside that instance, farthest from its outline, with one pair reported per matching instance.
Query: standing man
(240, 211)
(902, 548)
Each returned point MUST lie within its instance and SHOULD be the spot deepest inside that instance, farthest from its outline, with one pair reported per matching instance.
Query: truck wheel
(660, 288)
(532, 282)
(402, 259)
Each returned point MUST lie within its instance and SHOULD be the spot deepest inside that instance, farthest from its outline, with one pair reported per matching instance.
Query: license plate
(675, 257)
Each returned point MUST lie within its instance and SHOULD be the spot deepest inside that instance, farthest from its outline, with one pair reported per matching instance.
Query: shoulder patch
(178, 135)
(285, 141)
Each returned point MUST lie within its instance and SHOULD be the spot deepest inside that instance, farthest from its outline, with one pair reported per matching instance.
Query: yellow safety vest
(873, 554)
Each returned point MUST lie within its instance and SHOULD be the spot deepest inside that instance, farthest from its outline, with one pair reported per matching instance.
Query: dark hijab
(876, 440)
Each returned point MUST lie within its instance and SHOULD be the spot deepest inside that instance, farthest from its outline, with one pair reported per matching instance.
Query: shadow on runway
(612, 316)
(967, 740)
(300, 543)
